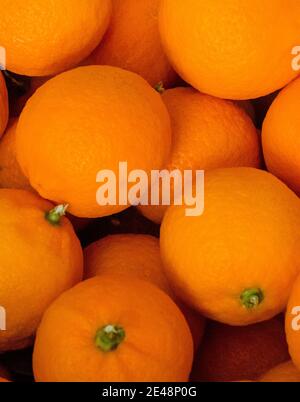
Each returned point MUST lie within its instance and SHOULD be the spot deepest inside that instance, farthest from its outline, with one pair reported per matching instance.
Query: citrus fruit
(40, 258)
(240, 353)
(107, 329)
(44, 38)
(207, 133)
(11, 175)
(3, 105)
(280, 136)
(292, 326)
(136, 255)
(93, 118)
(235, 263)
(285, 372)
(233, 49)
(133, 42)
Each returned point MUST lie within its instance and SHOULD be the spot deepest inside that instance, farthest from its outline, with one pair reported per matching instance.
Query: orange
(3, 380)
(137, 256)
(133, 42)
(233, 49)
(93, 118)
(207, 133)
(280, 136)
(107, 329)
(240, 353)
(236, 262)
(11, 175)
(47, 37)
(40, 258)
(292, 326)
(3, 105)
(285, 372)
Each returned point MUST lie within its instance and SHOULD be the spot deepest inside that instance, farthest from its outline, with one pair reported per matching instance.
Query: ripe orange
(3, 380)
(47, 37)
(3, 105)
(93, 118)
(207, 133)
(133, 42)
(285, 372)
(237, 49)
(11, 175)
(292, 325)
(107, 329)
(280, 136)
(40, 258)
(236, 263)
(240, 353)
(137, 256)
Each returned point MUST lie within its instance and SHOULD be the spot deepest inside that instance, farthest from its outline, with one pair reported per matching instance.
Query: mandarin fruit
(137, 255)
(3, 105)
(235, 263)
(107, 329)
(233, 49)
(132, 22)
(285, 372)
(93, 118)
(240, 353)
(207, 133)
(40, 258)
(280, 136)
(47, 37)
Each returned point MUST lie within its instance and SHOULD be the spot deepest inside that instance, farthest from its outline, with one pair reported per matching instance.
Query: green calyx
(160, 88)
(109, 337)
(54, 216)
(252, 298)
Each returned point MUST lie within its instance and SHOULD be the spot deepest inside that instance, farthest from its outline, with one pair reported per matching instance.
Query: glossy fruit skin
(38, 262)
(237, 49)
(240, 353)
(292, 323)
(157, 344)
(132, 22)
(247, 238)
(46, 38)
(115, 110)
(137, 256)
(285, 372)
(11, 175)
(207, 133)
(3, 105)
(280, 136)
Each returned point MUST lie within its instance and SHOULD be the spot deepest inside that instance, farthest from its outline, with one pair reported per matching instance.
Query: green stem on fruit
(252, 298)
(160, 88)
(54, 216)
(109, 337)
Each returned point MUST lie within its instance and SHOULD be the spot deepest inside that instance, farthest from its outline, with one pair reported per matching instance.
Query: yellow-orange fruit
(40, 258)
(11, 175)
(237, 262)
(292, 324)
(285, 372)
(93, 118)
(240, 353)
(233, 49)
(47, 37)
(207, 133)
(133, 42)
(281, 136)
(137, 256)
(107, 329)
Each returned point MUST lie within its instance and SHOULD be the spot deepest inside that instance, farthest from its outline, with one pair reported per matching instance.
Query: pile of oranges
(104, 292)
